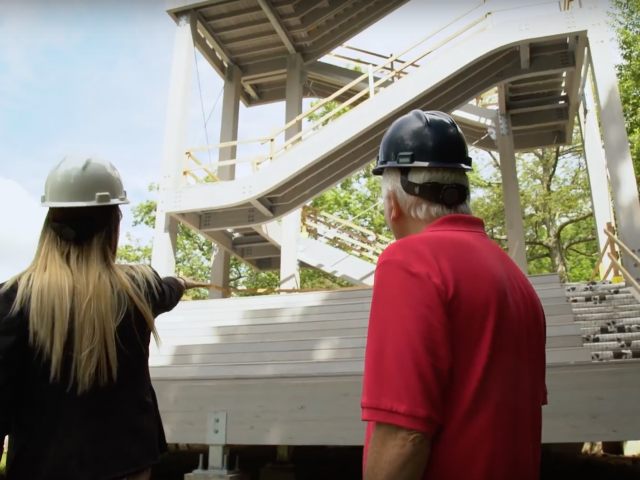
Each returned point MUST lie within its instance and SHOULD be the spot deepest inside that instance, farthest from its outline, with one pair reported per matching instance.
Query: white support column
(624, 187)
(511, 193)
(173, 153)
(596, 168)
(221, 261)
(292, 223)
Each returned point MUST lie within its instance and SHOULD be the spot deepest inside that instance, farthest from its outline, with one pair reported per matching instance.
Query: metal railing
(343, 234)
(363, 64)
(391, 68)
(611, 250)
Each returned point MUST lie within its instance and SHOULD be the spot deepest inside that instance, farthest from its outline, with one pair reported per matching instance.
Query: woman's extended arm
(189, 284)
(169, 291)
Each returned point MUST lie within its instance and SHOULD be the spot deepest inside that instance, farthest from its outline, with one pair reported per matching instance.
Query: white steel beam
(538, 118)
(511, 194)
(319, 15)
(573, 83)
(336, 75)
(265, 250)
(523, 142)
(596, 170)
(481, 115)
(345, 26)
(230, 118)
(262, 69)
(213, 39)
(220, 263)
(276, 22)
(545, 86)
(207, 50)
(525, 56)
(502, 99)
(216, 60)
(292, 223)
(173, 152)
(175, 6)
(480, 81)
(616, 143)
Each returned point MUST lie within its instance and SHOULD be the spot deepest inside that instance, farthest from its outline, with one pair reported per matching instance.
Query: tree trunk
(556, 250)
(559, 263)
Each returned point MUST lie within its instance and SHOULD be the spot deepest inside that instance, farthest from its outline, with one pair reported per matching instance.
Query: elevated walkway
(293, 173)
(328, 243)
(540, 95)
(258, 36)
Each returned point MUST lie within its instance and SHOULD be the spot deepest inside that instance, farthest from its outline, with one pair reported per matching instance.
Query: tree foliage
(194, 254)
(626, 22)
(329, 107)
(556, 205)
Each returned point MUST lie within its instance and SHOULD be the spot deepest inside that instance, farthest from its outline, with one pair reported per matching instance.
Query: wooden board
(284, 307)
(289, 331)
(314, 362)
(538, 280)
(587, 402)
(305, 335)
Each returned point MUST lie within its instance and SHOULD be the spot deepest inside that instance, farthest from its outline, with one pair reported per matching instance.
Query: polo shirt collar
(457, 222)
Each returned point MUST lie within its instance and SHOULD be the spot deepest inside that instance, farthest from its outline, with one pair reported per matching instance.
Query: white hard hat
(81, 181)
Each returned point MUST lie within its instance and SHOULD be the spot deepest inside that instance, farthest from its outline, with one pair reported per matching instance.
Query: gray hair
(416, 207)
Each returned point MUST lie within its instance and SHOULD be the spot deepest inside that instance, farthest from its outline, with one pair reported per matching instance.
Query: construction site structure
(286, 369)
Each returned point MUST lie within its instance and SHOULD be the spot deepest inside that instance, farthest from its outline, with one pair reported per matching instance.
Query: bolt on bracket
(217, 428)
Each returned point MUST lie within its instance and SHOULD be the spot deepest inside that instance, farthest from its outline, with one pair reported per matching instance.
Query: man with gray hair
(454, 376)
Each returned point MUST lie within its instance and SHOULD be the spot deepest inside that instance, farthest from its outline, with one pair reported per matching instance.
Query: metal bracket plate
(504, 124)
(217, 428)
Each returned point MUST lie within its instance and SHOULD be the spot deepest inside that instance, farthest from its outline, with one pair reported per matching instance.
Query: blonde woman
(75, 394)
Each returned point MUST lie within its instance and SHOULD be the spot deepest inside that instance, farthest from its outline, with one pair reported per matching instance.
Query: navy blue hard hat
(423, 140)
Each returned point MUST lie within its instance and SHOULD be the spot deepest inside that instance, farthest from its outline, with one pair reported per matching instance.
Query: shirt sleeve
(408, 353)
(166, 295)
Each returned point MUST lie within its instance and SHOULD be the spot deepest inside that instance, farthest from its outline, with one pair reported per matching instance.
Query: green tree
(330, 106)
(626, 22)
(558, 217)
(194, 253)
(358, 197)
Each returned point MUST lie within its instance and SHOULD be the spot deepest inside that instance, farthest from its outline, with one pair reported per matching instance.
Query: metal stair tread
(609, 318)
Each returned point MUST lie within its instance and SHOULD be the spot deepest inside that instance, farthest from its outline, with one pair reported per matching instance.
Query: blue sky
(92, 76)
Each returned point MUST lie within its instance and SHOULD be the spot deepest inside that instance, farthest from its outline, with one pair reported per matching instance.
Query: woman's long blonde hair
(75, 294)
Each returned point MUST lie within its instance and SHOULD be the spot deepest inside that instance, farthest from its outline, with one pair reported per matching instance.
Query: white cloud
(21, 217)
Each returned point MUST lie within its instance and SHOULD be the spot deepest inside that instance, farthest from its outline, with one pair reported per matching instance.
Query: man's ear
(395, 212)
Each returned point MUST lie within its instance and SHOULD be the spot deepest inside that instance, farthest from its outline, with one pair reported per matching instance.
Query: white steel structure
(286, 369)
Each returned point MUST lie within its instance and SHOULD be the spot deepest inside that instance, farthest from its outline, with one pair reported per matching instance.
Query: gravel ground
(344, 464)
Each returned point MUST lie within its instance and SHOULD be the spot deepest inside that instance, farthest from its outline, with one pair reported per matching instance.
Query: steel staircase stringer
(445, 82)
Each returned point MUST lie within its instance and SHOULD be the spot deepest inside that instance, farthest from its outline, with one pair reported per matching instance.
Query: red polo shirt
(456, 349)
